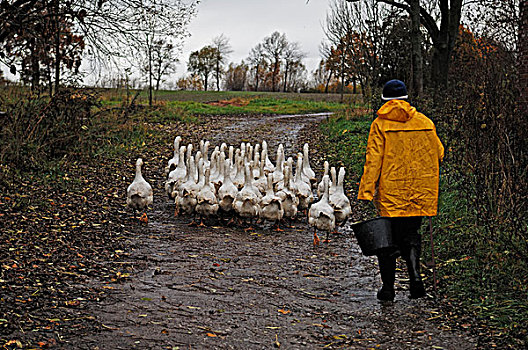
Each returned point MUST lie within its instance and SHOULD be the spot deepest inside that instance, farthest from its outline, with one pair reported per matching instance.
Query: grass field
(187, 105)
(211, 96)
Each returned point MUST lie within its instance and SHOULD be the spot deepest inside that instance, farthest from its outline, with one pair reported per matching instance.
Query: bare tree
(443, 34)
(257, 60)
(292, 57)
(355, 41)
(327, 68)
(274, 46)
(163, 61)
(223, 49)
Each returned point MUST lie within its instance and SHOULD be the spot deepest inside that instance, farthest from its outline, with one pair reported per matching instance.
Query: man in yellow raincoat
(401, 176)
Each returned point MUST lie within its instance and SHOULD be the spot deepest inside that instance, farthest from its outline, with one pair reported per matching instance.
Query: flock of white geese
(244, 184)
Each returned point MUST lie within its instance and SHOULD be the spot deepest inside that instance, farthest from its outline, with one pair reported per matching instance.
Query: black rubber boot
(387, 265)
(417, 288)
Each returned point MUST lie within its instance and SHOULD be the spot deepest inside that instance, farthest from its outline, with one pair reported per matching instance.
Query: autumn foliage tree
(236, 76)
(203, 63)
(44, 48)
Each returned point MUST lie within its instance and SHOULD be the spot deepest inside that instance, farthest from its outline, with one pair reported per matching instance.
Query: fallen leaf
(284, 312)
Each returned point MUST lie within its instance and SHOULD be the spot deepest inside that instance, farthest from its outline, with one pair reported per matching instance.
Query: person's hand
(368, 205)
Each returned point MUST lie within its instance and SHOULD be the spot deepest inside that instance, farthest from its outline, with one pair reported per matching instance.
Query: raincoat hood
(397, 110)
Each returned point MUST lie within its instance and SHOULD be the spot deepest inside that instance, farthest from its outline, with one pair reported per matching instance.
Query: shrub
(36, 129)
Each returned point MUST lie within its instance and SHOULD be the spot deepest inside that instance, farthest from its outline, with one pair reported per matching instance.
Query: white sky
(247, 22)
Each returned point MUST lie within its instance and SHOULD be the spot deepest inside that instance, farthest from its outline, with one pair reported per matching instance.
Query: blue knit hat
(394, 90)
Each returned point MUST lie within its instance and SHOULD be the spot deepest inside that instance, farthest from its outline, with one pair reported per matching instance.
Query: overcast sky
(247, 22)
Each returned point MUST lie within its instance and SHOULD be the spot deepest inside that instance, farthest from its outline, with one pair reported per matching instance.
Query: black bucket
(374, 236)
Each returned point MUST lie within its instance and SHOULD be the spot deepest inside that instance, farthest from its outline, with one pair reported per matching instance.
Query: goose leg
(326, 240)
(316, 238)
(193, 222)
(201, 224)
(231, 221)
(144, 218)
(278, 229)
(250, 228)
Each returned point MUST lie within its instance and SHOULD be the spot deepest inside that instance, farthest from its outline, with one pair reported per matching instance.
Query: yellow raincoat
(401, 171)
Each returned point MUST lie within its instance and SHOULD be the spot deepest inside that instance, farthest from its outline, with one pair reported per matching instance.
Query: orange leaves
(284, 312)
(72, 303)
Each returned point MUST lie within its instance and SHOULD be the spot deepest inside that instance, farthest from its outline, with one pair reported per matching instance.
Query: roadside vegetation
(481, 264)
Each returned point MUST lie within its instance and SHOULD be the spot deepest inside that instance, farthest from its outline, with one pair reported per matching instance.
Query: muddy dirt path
(220, 287)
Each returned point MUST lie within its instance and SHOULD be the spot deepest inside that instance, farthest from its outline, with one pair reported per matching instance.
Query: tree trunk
(523, 56)
(416, 44)
(444, 40)
(328, 81)
(285, 77)
(256, 77)
(150, 72)
(274, 74)
(342, 76)
(57, 46)
(35, 70)
(217, 74)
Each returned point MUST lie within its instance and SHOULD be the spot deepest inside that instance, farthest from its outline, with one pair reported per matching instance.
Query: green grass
(258, 106)
(186, 105)
(347, 142)
(211, 96)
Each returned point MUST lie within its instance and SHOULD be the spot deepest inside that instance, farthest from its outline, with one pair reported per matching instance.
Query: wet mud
(227, 287)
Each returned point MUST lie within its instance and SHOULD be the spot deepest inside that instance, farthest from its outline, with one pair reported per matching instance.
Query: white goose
(246, 203)
(320, 187)
(278, 174)
(206, 201)
(280, 185)
(288, 197)
(262, 181)
(339, 201)
(271, 204)
(176, 176)
(218, 180)
(321, 214)
(173, 162)
(239, 178)
(303, 190)
(189, 189)
(307, 169)
(268, 165)
(139, 193)
(228, 191)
